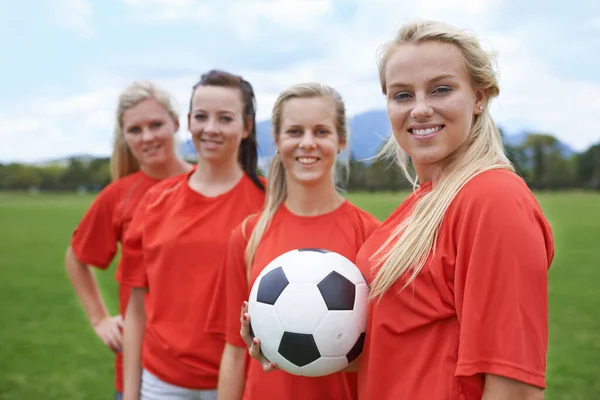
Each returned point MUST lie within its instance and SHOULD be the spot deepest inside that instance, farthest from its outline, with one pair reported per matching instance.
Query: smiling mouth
(307, 160)
(151, 148)
(426, 132)
(211, 141)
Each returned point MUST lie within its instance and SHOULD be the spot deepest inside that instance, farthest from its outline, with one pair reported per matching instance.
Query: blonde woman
(143, 154)
(303, 210)
(459, 271)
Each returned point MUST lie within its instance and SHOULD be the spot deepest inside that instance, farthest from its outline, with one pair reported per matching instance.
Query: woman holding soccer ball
(303, 210)
(459, 271)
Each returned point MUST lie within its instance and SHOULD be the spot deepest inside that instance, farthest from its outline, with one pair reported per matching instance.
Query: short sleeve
(95, 239)
(232, 290)
(132, 267)
(504, 250)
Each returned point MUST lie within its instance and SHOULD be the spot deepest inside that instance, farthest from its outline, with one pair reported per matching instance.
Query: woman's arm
(84, 282)
(232, 373)
(501, 388)
(135, 322)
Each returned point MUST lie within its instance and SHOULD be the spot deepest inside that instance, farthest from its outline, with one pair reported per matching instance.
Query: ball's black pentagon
(298, 348)
(356, 349)
(314, 249)
(271, 285)
(337, 291)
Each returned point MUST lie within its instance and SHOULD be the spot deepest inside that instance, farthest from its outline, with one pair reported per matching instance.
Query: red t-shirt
(479, 306)
(343, 230)
(103, 226)
(175, 247)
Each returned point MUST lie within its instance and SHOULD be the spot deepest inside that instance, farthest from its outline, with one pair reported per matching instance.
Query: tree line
(540, 160)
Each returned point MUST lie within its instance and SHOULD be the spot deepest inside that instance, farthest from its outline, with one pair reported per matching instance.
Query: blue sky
(65, 61)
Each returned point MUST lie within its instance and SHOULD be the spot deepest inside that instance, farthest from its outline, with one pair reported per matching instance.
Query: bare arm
(84, 282)
(231, 373)
(135, 322)
(501, 388)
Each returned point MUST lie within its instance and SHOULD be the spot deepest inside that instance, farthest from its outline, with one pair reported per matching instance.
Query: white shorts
(155, 389)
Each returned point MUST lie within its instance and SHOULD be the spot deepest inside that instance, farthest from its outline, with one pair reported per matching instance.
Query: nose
(147, 134)
(308, 140)
(422, 109)
(210, 126)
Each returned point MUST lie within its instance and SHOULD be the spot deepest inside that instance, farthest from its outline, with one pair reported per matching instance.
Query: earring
(480, 108)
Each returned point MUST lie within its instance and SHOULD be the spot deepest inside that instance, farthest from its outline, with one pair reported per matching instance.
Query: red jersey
(96, 238)
(343, 231)
(479, 306)
(175, 248)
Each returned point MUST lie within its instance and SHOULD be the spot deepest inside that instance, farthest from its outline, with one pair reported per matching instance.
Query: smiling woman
(143, 154)
(303, 210)
(177, 241)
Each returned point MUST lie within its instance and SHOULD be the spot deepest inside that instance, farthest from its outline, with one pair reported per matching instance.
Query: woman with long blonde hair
(143, 154)
(303, 210)
(459, 271)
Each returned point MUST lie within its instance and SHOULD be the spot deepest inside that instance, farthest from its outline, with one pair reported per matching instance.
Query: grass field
(47, 350)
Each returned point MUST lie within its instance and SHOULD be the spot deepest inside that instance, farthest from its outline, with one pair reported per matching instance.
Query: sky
(64, 62)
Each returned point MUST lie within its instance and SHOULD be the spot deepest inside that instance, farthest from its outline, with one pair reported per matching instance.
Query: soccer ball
(308, 307)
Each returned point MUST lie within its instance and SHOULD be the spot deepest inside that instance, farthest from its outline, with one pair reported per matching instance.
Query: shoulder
(362, 217)
(247, 226)
(495, 183)
(496, 195)
(116, 190)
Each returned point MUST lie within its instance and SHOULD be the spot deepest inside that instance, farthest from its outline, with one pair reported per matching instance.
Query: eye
(294, 132)
(199, 117)
(322, 132)
(134, 129)
(402, 96)
(156, 124)
(442, 90)
(226, 118)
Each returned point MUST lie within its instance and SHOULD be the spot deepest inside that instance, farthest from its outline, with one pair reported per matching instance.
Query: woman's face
(149, 130)
(308, 142)
(217, 123)
(431, 102)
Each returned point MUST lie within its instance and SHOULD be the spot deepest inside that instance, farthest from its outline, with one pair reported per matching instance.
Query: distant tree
(588, 167)
(20, 176)
(75, 175)
(548, 167)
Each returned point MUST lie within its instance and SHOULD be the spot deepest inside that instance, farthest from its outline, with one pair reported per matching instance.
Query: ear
(341, 144)
(189, 119)
(480, 101)
(176, 123)
(247, 127)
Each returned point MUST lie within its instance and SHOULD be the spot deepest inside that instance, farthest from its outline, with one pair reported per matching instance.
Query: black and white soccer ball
(308, 307)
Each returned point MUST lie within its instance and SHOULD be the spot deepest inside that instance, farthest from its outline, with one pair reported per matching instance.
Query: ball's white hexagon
(266, 326)
(300, 308)
(324, 366)
(337, 333)
(361, 305)
(306, 267)
(345, 267)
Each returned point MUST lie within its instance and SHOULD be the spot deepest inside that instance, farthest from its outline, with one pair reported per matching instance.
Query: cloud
(244, 18)
(533, 94)
(75, 15)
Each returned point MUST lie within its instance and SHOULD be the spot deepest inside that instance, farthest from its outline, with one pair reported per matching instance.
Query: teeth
(428, 131)
(307, 160)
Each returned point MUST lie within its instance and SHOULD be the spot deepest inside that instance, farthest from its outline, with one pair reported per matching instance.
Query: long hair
(276, 185)
(415, 238)
(248, 150)
(122, 162)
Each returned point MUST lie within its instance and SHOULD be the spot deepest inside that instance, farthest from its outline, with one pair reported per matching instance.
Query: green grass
(47, 350)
